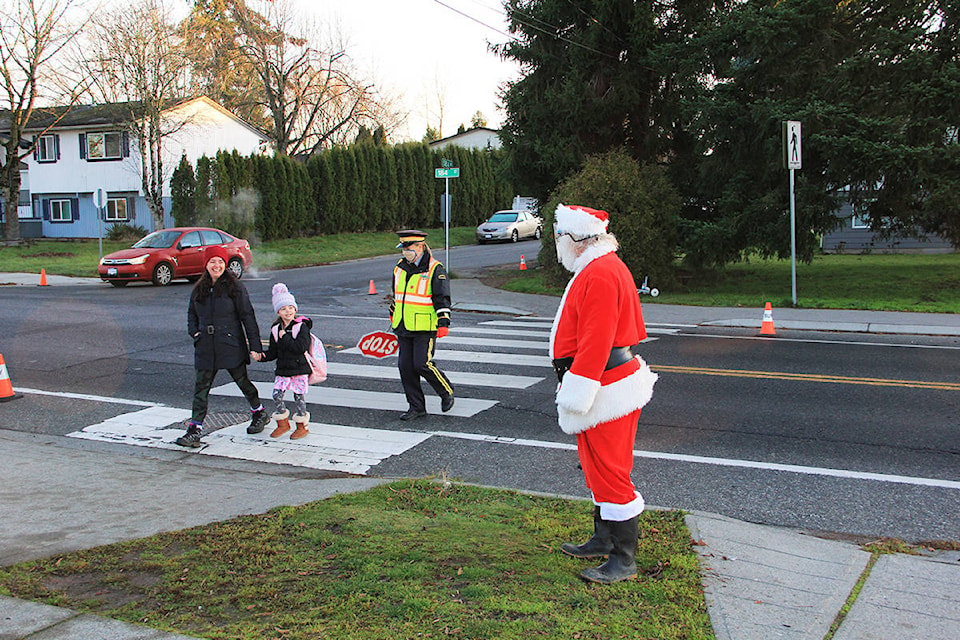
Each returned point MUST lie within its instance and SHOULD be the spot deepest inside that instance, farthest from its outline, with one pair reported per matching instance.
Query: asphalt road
(819, 432)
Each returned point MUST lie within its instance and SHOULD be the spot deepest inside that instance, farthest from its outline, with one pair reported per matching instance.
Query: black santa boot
(598, 546)
(621, 563)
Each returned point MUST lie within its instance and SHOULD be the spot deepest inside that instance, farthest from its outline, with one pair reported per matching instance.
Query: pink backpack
(316, 356)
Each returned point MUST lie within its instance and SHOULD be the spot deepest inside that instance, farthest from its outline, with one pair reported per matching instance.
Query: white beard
(567, 252)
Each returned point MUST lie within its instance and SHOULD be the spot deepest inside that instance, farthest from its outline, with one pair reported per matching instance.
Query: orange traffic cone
(372, 290)
(6, 389)
(43, 278)
(766, 327)
(523, 264)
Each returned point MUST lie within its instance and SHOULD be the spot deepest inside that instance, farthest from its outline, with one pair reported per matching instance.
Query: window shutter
(36, 149)
(74, 209)
(56, 144)
(83, 146)
(125, 144)
(131, 209)
(45, 204)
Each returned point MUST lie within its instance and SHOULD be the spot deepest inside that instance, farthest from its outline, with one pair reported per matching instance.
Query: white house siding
(202, 128)
(479, 138)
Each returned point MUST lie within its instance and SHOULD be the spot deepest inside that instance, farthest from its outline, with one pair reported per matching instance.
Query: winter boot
(301, 430)
(283, 424)
(192, 437)
(597, 546)
(621, 563)
(258, 421)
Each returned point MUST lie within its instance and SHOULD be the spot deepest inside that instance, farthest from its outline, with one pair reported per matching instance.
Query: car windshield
(503, 216)
(157, 240)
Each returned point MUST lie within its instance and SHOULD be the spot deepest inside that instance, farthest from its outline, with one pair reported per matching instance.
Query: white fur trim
(611, 511)
(299, 418)
(578, 223)
(576, 393)
(599, 248)
(612, 401)
(282, 416)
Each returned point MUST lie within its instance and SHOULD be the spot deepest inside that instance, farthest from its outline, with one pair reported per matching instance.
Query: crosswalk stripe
(542, 324)
(359, 399)
(465, 378)
(501, 332)
(488, 342)
(329, 447)
(484, 357)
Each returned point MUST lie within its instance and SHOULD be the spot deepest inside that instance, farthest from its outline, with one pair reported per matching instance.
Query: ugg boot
(301, 430)
(621, 563)
(283, 424)
(597, 546)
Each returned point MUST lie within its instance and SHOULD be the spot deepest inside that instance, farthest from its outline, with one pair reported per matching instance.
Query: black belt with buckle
(618, 356)
(211, 329)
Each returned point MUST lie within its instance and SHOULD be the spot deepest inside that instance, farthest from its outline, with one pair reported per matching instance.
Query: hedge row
(363, 187)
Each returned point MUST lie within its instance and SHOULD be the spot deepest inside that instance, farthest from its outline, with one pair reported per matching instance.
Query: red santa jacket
(600, 309)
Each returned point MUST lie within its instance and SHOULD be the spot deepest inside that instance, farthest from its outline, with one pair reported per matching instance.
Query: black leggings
(201, 390)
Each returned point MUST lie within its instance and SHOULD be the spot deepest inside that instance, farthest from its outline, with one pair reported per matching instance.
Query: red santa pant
(606, 455)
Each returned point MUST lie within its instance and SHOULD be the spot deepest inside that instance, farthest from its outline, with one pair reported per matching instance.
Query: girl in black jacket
(224, 329)
(289, 342)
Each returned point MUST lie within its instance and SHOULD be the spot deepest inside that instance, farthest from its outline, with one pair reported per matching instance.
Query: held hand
(255, 356)
(442, 332)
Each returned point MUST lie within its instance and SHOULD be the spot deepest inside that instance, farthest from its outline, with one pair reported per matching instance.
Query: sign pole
(792, 161)
(793, 241)
(446, 225)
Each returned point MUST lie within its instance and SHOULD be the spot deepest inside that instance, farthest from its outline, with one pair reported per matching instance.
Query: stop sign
(378, 344)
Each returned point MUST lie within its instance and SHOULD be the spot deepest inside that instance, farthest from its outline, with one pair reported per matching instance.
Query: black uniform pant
(415, 362)
(201, 390)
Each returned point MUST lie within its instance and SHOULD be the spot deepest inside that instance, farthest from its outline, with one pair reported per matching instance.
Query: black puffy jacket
(289, 351)
(223, 326)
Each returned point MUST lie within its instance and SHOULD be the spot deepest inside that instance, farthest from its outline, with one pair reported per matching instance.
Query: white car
(510, 224)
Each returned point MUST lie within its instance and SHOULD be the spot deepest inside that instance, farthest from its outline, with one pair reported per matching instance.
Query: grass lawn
(411, 559)
(881, 282)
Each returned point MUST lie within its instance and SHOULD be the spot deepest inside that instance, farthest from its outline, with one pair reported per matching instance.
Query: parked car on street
(510, 224)
(167, 254)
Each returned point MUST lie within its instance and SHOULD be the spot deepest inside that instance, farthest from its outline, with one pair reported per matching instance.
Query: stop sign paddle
(378, 344)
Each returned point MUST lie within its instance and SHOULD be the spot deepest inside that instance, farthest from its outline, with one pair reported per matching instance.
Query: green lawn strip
(407, 559)
(880, 282)
(79, 258)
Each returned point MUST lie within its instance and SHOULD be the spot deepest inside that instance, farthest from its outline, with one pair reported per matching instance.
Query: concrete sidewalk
(760, 582)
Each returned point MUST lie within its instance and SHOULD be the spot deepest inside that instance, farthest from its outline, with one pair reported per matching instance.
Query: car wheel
(119, 283)
(479, 241)
(538, 233)
(162, 274)
(514, 236)
(235, 266)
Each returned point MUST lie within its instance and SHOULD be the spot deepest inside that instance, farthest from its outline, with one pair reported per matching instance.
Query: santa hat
(282, 297)
(581, 222)
(215, 251)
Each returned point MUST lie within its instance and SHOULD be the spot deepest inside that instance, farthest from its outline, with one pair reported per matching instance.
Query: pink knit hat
(282, 297)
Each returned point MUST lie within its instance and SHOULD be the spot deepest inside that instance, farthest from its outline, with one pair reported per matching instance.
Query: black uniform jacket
(225, 328)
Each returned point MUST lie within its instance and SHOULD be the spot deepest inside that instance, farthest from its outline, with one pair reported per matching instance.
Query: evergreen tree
(183, 186)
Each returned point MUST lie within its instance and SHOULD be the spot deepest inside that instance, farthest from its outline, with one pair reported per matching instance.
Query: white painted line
(84, 396)
(517, 323)
(465, 378)
(329, 447)
(723, 462)
(358, 399)
(496, 342)
(839, 342)
(501, 332)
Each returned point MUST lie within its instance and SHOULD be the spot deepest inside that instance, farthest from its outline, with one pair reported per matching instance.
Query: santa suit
(600, 310)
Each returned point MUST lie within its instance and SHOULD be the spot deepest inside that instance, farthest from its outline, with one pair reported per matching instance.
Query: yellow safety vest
(413, 299)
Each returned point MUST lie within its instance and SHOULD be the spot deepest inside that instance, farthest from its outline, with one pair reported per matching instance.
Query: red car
(172, 253)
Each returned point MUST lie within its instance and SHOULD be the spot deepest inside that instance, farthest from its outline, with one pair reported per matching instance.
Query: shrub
(125, 232)
(644, 208)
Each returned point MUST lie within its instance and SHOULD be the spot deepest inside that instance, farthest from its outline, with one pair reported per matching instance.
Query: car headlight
(139, 259)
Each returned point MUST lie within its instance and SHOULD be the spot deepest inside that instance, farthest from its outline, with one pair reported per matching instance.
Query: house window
(60, 211)
(47, 149)
(104, 146)
(116, 210)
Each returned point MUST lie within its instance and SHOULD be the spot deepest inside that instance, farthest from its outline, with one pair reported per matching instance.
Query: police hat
(410, 236)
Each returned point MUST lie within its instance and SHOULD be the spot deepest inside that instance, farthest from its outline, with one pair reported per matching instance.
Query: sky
(421, 50)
